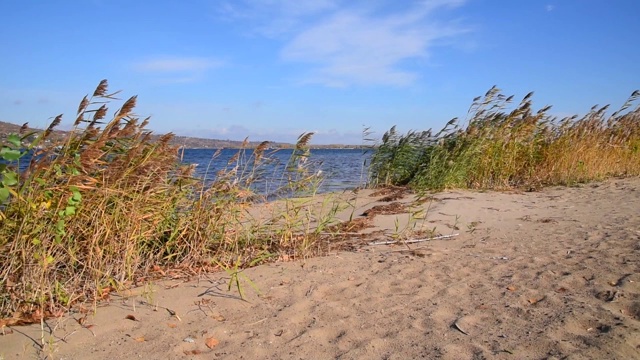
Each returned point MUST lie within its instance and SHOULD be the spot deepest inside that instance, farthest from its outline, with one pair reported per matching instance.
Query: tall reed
(500, 148)
(103, 205)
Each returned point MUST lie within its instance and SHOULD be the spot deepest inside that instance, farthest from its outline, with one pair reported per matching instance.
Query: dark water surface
(341, 169)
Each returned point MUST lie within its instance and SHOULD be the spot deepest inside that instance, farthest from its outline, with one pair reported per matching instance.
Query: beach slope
(553, 274)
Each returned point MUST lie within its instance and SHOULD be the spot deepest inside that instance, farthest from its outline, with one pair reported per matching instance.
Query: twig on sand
(341, 233)
(258, 322)
(413, 240)
(457, 327)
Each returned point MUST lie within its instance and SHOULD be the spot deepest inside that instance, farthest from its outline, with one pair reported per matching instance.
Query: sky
(273, 69)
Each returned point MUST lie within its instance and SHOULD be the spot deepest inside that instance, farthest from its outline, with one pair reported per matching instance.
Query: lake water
(341, 169)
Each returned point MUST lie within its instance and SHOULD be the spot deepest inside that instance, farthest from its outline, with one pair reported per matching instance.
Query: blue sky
(272, 69)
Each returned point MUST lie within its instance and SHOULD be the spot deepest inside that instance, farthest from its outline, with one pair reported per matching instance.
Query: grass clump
(519, 148)
(105, 205)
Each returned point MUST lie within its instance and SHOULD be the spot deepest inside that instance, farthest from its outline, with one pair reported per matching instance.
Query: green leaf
(73, 201)
(4, 194)
(10, 154)
(70, 210)
(60, 226)
(76, 196)
(36, 241)
(10, 178)
(76, 192)
(14, 140)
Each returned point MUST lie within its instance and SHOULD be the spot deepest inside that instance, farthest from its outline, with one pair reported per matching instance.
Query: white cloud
(272, 18)
(176, 69)
(550, 7)
(354, 48)
(347, 44)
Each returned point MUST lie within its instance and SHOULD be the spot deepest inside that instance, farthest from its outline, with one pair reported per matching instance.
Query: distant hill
(184, 141)
(8, 128)
(200, 143)
(188, 142)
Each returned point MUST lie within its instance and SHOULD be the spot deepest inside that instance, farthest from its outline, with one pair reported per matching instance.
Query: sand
(553, 274)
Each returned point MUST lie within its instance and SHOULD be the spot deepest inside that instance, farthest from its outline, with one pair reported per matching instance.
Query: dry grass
(104, 207)
(519, 148)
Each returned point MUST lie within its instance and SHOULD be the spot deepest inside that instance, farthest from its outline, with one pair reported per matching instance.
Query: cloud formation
(272, 18)
(346, 45)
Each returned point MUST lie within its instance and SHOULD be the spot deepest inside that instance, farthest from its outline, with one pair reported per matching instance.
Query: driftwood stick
(413, 240)
(341, 233)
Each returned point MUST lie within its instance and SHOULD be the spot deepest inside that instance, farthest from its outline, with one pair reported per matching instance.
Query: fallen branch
(414, 240)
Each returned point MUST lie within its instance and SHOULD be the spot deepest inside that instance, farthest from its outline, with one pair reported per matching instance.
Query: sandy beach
(553, 274)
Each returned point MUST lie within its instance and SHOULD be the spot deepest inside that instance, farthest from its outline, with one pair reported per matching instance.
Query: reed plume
(520, 148)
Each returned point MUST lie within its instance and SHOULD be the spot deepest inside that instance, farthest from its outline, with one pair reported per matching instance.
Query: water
(341, 169)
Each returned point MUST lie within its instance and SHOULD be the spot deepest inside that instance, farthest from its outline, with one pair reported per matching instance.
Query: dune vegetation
(522, 148)
(105, 207)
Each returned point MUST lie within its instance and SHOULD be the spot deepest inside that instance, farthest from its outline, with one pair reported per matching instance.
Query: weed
(236, 275)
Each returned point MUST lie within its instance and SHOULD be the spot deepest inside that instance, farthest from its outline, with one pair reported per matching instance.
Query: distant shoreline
(312, 147)
(196, 143)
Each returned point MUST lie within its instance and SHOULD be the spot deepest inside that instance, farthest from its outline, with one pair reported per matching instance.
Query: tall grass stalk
(104, 206)
(500, 148)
